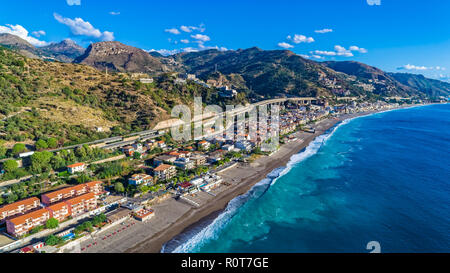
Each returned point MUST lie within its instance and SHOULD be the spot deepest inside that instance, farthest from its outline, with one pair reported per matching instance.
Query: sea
(373, 183)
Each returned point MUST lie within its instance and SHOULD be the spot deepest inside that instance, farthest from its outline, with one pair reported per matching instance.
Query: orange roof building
(18, 207)
(81, 204)
(60, 211)
(21, 225)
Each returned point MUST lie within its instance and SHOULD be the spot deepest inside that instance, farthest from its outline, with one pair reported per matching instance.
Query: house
(129, 150)
(146, 80)
(161, 144)
(204, 145)
(184, 163)
(140, 178)
(185, 186)
(19, 207)
(165, 172)
(186, 153)
(216, 156)
(227, 92)
(176, 154)
(60, 211)
(21, 225)
(163, 159)
(77, 167)
(138, 147)
(81, 204)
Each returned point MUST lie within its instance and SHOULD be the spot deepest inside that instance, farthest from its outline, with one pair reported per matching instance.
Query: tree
(118, 187)
(10, 166)
(52, 240)
(40, 161)
(18, 148)
(52, 143)
(52, 223)
(3, 151)
(137, 155)
(11, 198)
(41, 144)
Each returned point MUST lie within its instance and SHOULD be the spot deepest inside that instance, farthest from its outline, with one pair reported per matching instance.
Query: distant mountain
(431, 87)
(119, 57)
(65, 51)
(403, 84)
(20, 45)
(267, 73)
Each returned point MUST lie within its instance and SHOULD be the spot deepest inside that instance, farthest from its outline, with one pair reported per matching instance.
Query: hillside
(433, 88)
(388, 84)
(65, 51)
(119, 57)
(69, 101)
(268, 73)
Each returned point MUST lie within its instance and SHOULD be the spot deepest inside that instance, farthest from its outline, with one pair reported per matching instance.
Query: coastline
(244, 177)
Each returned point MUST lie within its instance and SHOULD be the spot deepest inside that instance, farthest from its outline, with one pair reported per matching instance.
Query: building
(144, 214)
(129, 150)
(161, 144)
(226, 92)
(204, 145)
(95, 187)
(140, 178)
(243, 145)
(228, 147)
(163, 159)
(81, 204)
(21, 225)
(184, 163)
(69, 192)
(146, 80)
(199, 160)
(60, 211)
(19, 207)
(165, 172)
(77, 167)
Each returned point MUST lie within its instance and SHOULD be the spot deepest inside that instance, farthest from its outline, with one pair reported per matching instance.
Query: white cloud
(300, 39)
(38, 33)
(173, 31)
(325, 53)
(359, 49)
(80, 27)
(341, 51)
(325, 30)
(201, 37)
(189, 29)
(185, 41)
(21, 32)
(190, 49)
(73, 2)
(114, 12)
(416, 67)
(285, 45)
(165, 52)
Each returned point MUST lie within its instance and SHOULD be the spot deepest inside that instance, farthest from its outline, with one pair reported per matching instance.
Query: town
(113, 184)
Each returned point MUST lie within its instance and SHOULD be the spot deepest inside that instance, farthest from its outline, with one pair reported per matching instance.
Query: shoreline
(245, 177)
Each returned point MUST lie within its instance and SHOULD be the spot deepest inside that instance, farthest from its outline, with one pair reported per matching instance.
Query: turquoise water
(384, 178)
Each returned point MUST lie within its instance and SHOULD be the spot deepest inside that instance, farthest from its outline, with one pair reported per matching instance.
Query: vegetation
(52, 223)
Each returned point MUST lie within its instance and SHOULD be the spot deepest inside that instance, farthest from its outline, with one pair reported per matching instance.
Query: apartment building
(140, 178)
(59, 211)
(21, 225)
(69, 192)
(81, 204)
(19, 207)
(165, 172)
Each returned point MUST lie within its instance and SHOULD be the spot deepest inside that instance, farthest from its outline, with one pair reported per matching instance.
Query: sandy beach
(242, 178)
(172, 217)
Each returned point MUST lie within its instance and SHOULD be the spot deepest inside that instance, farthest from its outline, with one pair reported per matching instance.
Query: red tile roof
(81, 198)
(162, 167)
(35, 214)
(75, 165)
(15, 205)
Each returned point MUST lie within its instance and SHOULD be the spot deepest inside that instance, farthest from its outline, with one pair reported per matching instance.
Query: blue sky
(396, 35)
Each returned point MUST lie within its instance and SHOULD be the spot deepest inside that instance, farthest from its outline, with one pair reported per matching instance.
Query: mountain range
(259, 73)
